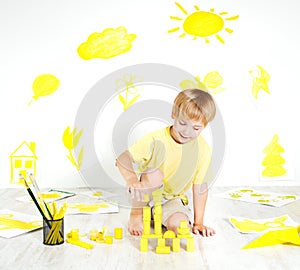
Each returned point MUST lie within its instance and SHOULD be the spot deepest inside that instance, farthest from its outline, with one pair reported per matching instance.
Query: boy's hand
(203, 230)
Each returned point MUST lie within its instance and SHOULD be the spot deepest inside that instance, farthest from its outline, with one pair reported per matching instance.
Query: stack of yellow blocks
(183, 230)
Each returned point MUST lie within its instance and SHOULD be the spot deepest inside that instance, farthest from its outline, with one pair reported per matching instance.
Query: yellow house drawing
(22, 160)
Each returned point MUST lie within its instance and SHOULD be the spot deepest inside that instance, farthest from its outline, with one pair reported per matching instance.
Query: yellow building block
(146, 213)
(144, 244)
(108, 239)
(161, 242)
(147, 236)
(157, 217)
(163, 250)
(190, 245)
(146, 198)
(80, 243)
(183, 224)
(118, 233)
(169, 234)
(147, 227)
(183, 230)
(175, 244)
(184, 236)
(93, 234)
(157, 228)
(158, 209)
(75, 234)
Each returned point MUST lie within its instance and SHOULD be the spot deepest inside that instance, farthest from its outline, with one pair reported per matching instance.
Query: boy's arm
(200, 194)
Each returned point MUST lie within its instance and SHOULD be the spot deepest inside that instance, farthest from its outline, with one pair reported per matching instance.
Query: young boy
(173, 159)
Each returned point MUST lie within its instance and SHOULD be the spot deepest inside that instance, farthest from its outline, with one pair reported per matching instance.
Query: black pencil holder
(53, 231)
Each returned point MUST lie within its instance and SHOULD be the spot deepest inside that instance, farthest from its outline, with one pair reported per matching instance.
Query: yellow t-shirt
(181, 164)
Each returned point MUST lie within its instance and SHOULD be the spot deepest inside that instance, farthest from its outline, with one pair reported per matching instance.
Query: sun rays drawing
(203, 24)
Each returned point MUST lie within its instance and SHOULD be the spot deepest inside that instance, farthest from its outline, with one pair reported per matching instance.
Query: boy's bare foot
(135, 223)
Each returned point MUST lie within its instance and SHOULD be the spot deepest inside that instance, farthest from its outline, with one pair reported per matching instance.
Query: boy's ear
(173, 115)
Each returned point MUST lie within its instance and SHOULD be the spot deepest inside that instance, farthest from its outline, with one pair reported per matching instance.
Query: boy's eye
(182, 123)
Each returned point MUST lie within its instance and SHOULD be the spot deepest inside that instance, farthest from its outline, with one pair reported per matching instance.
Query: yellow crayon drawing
(97, 194)
(260, 79)
(7, 222)
(131, 94)
(89, 207)
(203, 24)
(22, 161)
(248, 225)
(111, 42)
(71, 140)
(211, 83)
(273, 160)
(44, 85)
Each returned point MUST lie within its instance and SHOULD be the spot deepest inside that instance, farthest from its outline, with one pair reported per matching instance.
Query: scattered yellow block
(79, 243)
(144, 244)
(163, 250)
(190, 245)
(108, 239)
(175, 244)
(118, 233)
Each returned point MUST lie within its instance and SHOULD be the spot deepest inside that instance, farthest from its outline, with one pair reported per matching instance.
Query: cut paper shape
(203, 24)
(111, 42)
(49, 196)
(247, 225)
(44, 85)
(131, 91)
(22, 161)
(260, 79)
(212, 83)
(273, 160)
(275, 237)
(261, 197)
(71, 140)
(92, 208)
(14, 223)
(98, 194)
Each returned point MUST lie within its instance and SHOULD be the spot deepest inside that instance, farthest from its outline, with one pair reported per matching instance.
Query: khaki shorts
(173, 206)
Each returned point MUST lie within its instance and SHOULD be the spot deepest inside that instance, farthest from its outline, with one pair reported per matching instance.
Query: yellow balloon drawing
(203, 24)
(111, 42)
(212, 83)
(44, 85)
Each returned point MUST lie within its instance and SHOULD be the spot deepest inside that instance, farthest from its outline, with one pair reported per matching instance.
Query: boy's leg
(151, 180)
(173, 212)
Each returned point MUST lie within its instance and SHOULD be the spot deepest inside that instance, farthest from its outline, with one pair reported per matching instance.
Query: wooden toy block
(108, 239)
(184, 236)
(118, 233)
(75, 234)
(183, 230)
(169, 234)
(163, 250)
(147, 227)
(157, 218)
(146, 213)
(93, 234)
(157, 228)
(79, 243)
(161, 242)
(175, 244)
(183, 224)
(158, 209)
(190, 245)
(147, 236)
(146, 198)
(144, 244)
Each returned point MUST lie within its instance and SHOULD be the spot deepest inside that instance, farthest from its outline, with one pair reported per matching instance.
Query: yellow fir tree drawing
(212, 83)
(71, 140)
(131, 93)
(202, 24)
(273, 161)
(44, 85)
(107, 44)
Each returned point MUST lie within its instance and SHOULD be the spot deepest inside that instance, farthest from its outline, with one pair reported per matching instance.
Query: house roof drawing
(25, 150)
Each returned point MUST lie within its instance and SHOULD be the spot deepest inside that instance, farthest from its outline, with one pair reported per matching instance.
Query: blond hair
(196, 104)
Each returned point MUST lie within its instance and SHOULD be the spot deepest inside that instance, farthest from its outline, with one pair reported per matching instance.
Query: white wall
(43, 36)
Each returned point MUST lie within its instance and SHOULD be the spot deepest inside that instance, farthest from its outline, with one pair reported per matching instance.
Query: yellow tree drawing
(71, 140)
(273, 160)
(203, 24)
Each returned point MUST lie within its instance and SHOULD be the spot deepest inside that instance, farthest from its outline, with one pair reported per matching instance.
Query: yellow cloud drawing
(203, 24)
(212, 83)
(111, 42)
(273, 160)
(44, 85)
(71, 140)
(260, 79)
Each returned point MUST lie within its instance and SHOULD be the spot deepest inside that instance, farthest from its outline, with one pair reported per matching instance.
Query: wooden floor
(222, 251)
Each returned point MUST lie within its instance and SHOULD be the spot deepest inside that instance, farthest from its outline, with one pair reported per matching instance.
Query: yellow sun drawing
(203, 24)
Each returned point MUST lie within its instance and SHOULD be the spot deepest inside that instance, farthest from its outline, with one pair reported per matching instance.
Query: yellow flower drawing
(203, 24)
(111, 42)
(260, 79)
(71, 140)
